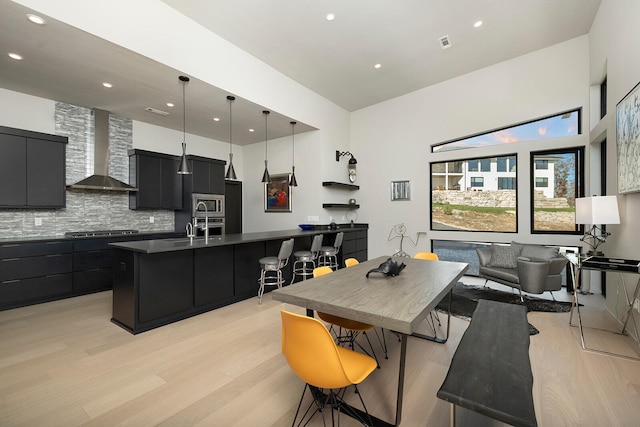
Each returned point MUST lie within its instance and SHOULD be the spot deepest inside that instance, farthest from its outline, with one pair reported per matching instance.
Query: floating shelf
(340, 185)
(339, 206)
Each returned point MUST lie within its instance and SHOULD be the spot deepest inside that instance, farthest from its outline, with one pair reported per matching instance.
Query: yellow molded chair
(426, 255)
(326, 368)
(350, 262)
(352, 327)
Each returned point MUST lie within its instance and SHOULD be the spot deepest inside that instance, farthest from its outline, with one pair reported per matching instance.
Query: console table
(618, 265)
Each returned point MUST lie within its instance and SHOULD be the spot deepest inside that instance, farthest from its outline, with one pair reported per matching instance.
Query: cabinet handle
(52, 275)
(10, 259)
(11, 245)
(52, 243)
(53, 255)
(6, 282)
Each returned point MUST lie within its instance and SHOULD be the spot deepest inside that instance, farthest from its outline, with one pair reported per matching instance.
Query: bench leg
(452, 415)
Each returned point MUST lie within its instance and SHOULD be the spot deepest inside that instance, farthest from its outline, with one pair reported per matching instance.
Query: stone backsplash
(87, 210)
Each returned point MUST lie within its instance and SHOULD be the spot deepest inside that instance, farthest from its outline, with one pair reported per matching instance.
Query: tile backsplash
(87, 210)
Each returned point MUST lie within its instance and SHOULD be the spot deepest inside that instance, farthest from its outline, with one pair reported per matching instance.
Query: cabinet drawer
(361, 244)
(17, 250)
(349, 235)
(35, 288)
(91, 260)
(23, 268)
(99, 278)
(349, 246)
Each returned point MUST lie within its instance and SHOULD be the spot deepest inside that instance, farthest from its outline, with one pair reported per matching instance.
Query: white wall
(615, 52)
(392, 140)
(22, 111)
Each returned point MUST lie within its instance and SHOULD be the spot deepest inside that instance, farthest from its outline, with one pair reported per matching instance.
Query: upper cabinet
(157, 179)
(32, 169)
(207, 176)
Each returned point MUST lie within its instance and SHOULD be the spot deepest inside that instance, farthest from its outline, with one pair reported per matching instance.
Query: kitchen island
(156, 282)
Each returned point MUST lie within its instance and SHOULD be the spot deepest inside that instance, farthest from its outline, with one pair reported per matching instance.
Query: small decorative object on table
(388, 268)
(307, 226)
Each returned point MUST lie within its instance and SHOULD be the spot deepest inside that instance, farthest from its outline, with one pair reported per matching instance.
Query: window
(542, 182)
(477, 181)
(555, 189)
(542, 164)
(506, 183)
(506, 164)
(485, 201)
(558, 125)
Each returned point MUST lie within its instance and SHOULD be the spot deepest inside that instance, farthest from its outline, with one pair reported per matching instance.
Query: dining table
(398, 303)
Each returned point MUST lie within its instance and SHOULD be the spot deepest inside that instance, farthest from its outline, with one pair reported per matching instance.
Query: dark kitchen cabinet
(213, 275)
(233, 207)
(32, 169)
(354, 245)
(207, 176)
(155, 175)
(34, 272)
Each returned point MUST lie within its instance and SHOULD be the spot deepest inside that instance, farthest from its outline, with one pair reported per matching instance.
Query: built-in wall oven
(207, 210)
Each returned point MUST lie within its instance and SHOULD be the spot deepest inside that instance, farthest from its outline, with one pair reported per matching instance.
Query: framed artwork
(628, 141)
(400, 190)
(277, 194)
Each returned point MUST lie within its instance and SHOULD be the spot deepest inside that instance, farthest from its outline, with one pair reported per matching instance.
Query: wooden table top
(397, 303)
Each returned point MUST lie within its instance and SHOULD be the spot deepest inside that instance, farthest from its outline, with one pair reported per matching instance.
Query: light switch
(38, 222)
(151, 220)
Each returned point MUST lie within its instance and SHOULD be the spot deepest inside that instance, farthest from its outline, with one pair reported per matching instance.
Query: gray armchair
(529, 268)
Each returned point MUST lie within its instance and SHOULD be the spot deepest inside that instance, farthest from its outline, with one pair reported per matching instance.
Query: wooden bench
(490, 372)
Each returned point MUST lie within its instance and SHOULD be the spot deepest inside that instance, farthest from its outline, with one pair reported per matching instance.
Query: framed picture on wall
(277, 194)
(400, 190)
(628, 141)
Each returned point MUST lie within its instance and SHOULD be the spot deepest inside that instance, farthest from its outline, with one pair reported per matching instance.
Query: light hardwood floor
(65, 364)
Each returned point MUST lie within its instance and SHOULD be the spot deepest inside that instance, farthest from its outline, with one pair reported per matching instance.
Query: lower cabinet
(34, 272)
(354, 245)
(213, 277)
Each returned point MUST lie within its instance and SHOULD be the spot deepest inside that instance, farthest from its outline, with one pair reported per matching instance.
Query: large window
(557, 125)
(474, 195)
(555, 188)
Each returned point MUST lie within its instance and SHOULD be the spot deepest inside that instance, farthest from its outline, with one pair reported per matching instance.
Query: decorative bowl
(307, 226)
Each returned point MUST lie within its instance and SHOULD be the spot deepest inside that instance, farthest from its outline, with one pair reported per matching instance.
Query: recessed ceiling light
(252, 130)
(478, 24)
(377, 66)
(107, 85)
(15, 56)
(170, 104)
(216, 119)
(36, 19)
(330, 17)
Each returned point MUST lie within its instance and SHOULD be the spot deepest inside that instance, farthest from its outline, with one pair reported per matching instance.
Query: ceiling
(333, 58)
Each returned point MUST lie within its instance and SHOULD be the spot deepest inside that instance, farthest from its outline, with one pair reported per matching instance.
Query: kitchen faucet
(206, 221)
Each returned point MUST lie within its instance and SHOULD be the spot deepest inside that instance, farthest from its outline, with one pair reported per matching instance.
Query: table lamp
(596, 210)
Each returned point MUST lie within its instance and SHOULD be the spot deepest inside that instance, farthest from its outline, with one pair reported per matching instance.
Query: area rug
(465, 299)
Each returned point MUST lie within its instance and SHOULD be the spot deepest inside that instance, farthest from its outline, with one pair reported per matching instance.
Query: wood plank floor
(65, 364)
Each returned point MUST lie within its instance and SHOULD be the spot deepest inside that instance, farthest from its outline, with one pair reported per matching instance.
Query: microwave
(210, 205)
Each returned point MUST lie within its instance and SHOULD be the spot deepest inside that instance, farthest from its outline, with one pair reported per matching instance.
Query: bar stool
(271, 274)
(329, 254)
(306, 260)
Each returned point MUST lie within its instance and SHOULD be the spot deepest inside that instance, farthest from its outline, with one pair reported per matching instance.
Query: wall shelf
(340, 185)
(340, 206)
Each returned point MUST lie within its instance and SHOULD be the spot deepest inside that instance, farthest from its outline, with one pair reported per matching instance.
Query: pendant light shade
(184, 162)
(265, 175)
(292, 181)
(231, 173)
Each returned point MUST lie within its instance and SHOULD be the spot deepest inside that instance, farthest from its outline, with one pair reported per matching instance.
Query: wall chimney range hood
(101, 180)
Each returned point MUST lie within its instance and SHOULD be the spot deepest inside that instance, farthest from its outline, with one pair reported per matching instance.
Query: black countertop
(52, 237)
(184, 243)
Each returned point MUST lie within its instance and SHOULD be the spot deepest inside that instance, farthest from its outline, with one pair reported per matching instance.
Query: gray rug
(465, 299)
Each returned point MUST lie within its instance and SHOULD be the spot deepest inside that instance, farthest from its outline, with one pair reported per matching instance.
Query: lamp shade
(597, 210)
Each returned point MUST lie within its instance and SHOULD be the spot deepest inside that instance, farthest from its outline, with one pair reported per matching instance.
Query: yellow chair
(426, 255)
(350, 262)
(352, 327)
(326, 368)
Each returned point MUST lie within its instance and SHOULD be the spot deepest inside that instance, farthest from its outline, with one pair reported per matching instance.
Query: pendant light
(184, 163)
(231, 173)
(292, 181)
(265, 175)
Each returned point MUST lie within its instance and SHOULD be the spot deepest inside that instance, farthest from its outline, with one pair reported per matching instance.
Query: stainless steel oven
(207, 211)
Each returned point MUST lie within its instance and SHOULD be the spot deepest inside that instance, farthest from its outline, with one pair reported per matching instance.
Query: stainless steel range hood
(100, 180)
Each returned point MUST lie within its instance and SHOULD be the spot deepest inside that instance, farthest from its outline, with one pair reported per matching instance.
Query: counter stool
(306, 260)
(271, 274)
(329, 254)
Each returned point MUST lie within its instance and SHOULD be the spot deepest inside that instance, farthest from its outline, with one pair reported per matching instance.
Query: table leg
(435, 338)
